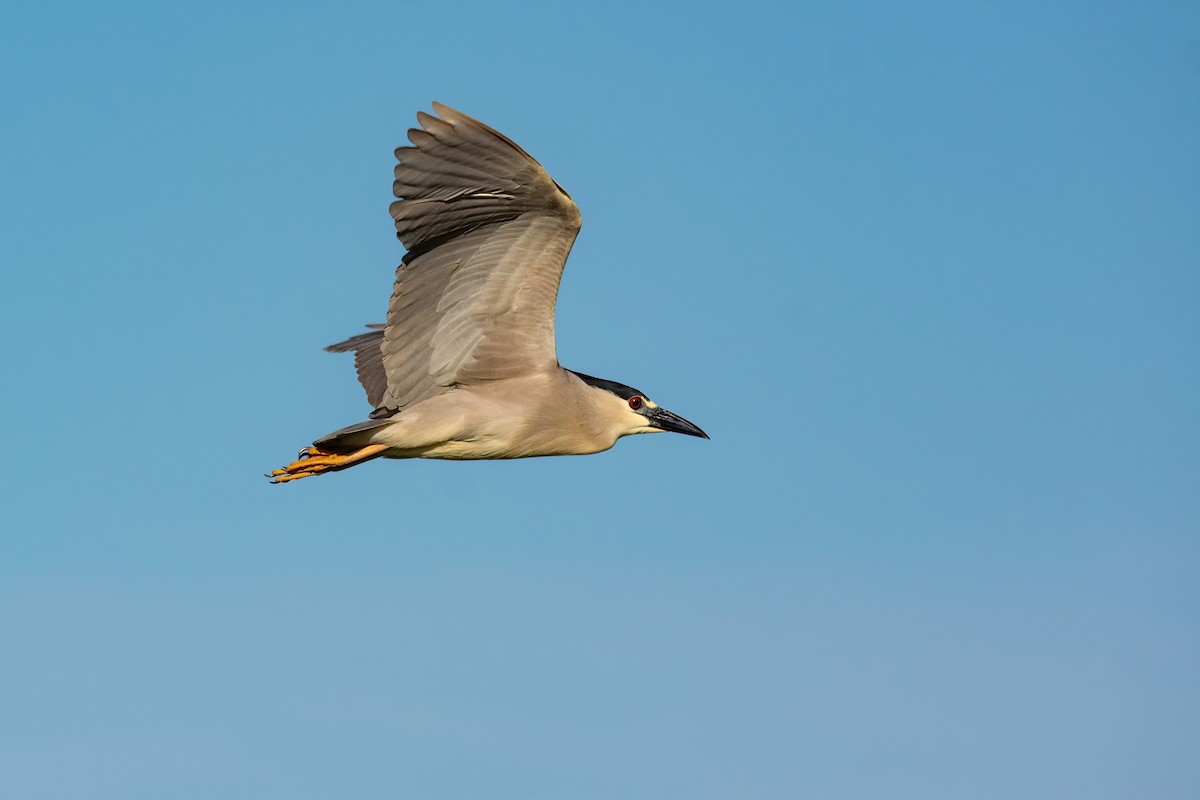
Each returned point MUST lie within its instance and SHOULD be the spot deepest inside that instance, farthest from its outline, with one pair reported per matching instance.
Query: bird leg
(314, 461)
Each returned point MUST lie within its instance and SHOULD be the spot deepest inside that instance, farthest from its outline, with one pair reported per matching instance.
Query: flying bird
(465, 367)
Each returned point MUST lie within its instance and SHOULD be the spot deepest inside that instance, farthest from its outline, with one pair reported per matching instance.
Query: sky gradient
(927, 273)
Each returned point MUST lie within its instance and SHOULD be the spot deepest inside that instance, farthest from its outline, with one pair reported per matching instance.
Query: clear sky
(929, 275)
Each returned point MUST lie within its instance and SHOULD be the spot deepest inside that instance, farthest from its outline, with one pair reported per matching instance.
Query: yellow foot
(313, 461)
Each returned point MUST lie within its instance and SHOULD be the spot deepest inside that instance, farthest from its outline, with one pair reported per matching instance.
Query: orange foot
(313, 461)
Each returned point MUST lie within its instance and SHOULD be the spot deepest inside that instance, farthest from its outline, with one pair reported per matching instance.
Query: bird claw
(315, 461)
(309, 461)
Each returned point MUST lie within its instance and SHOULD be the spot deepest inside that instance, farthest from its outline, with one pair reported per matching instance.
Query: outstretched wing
(488, 233)
(368, 361)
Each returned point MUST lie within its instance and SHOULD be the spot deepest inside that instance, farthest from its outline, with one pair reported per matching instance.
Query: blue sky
(927, 273)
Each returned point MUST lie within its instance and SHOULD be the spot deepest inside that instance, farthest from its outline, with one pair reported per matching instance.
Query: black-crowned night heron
(465, 367)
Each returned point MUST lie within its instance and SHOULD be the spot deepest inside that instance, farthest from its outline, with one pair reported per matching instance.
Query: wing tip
(446, 112)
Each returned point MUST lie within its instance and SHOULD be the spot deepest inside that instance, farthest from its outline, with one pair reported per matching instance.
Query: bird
(465, 366)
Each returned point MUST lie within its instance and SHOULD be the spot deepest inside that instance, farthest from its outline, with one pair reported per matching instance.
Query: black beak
(661, 418)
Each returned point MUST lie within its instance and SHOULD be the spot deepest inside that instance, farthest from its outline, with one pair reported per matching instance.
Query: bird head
(631, 411)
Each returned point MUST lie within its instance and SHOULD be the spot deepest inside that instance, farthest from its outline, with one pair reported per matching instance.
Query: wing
(488, 233)
(368, 361)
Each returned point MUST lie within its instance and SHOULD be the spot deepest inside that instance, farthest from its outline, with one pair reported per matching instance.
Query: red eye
(635, 402)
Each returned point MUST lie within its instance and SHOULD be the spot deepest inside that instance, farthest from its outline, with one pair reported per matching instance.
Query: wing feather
(368, 361)
(488, 233)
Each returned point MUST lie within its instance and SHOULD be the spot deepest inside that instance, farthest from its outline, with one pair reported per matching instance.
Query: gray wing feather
(488, 233)
(368, 361)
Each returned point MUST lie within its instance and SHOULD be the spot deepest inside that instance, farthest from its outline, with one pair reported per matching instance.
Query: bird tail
(352, 437)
